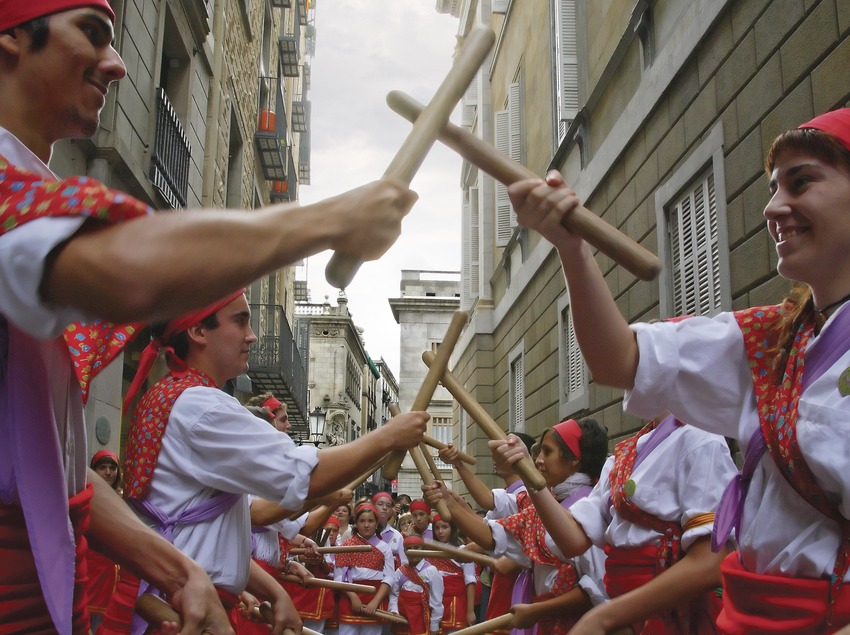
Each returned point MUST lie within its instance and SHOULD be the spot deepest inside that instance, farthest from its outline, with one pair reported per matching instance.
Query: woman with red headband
(374, 568)
(459, 580)
(553, 590)
(102, 571)
(742, 375)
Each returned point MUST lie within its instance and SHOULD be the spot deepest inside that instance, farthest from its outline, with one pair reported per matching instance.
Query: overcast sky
(364, 50)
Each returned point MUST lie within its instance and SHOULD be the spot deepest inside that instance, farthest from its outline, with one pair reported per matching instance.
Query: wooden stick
(429, 385)
(607, 239)
(322, 583)
(391, 617)
(463, 456)
(300, 551)
(532, 478)
(457, 553)
(341, 269)
(502, 622)
(434, 554)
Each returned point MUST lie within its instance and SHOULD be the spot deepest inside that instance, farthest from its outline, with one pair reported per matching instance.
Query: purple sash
(34, 470)
(820, 356)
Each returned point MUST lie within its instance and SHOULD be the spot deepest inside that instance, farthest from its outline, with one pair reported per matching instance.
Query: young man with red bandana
(74, 251)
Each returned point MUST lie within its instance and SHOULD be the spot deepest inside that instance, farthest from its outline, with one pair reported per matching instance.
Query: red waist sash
(347, 615)
(103, 578)
(554, 625)
(22, 606)
(627, 569)
(411, 606)
(500, 597)
(758, 603)
(454, 603)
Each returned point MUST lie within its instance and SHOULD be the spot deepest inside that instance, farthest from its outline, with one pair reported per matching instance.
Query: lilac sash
(31, 449)
(820, 356)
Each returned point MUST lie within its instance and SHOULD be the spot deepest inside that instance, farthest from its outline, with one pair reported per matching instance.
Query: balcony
(282, 4)
(300, 114)
(304, 159)
(270, 137)
(276, 365)
(171, 154)
(287, 188)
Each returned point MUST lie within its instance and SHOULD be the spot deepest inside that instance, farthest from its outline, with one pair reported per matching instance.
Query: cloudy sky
(364, 50)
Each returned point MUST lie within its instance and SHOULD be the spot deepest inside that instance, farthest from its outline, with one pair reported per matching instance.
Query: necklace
(822, 312)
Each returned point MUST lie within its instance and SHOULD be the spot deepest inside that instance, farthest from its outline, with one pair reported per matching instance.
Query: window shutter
(575, 362)
(504, 227)
(470, 104)
(501, 6)
(568, 65)
(470, 249)
(518, 387)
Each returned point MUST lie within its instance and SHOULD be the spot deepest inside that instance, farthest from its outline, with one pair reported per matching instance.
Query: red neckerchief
(777, 409)
(527, 529)
(285, 546)
(669, 545)
(26, 196)
(364, 559)
(144, 439)
(523, 500)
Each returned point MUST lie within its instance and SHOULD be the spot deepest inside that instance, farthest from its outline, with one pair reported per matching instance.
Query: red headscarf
(381, 495)
(570, 433)
(174, 327)
(100, 456)
(15, 12)
(835, 123)
(420, 505)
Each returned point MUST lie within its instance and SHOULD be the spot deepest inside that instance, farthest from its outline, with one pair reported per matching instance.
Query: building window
(566, 65)
(442, 430)
(516, 389)
(470, 248)
(509, 141)
(646, 34)
(693, 240)
(501, 6)
(235, 158)
(572, 372)
(462, 423)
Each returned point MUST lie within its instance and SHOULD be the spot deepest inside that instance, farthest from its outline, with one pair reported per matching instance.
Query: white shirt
(504, 503)
(680, 479)
(433, 579)
(395, 540)
(212, 445)
(22, 256)
(267, 547)
(385, 575)
(697, 369)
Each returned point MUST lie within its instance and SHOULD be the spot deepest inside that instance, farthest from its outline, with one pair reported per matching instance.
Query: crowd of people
(222, 511)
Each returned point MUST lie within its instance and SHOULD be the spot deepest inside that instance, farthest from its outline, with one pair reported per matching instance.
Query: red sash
(103, 578)
(347, 615)
(777, 408)
(454, 603)
(22, 607)
(762, 604)
(500, 597)
(410, 606)
(144, 439)
(628, 569)
(26, 196)
(555, 625)
(366, 560)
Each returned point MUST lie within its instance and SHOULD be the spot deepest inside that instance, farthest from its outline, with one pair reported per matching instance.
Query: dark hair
(593, 446)
(454, 536)
(527, 439)
(817, 143)
(38, 29)
(118, 485)
(180, 342)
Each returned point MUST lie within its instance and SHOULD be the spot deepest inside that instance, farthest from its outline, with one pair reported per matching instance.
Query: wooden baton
(439, 445)
(341, 268)
(581, 221)
(503, 622)
(532, 478)
(439, 554)
(300, 551)
(465, 555)
(391, 617)
(322, 583)
(429, 385)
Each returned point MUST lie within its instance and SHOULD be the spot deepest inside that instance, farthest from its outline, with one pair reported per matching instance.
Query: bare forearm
(472, 526)
(566, 533)
(480, 493)
(261, 583)
(607, 343)
(573, 603)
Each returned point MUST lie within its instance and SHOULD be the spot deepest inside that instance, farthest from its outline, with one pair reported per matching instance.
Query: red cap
(420, 505)
(366, 507)
(15, 12)
(100, 456)
(411, 541)
(381, 495)
(332, 520)
(436, 518)
(570, 432)
(835, 123)
(174, 327)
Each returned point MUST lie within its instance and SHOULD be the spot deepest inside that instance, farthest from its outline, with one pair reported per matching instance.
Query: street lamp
(317, 426)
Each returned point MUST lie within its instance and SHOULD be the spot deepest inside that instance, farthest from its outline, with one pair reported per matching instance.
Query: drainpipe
(213, 106)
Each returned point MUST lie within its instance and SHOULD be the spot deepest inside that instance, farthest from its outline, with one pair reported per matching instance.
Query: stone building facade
(658, 113)
(181, 132)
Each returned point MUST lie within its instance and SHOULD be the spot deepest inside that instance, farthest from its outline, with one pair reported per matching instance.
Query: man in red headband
(194, 453)
(76, 250)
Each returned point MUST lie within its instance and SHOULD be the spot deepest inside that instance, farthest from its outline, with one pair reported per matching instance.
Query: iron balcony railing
(171, 154)
(276, 364)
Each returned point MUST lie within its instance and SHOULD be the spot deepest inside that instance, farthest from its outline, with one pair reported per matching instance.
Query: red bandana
(364, 559)
(145, 437)
(669, 546)
(26, 196)
(527, 528)
(777, 408)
